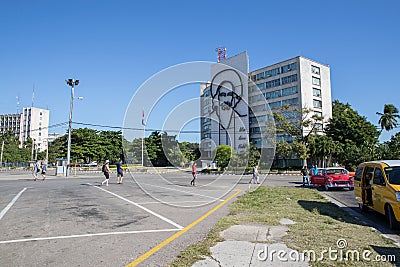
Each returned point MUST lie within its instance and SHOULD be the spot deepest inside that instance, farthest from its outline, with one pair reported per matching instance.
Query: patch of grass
(319, 226)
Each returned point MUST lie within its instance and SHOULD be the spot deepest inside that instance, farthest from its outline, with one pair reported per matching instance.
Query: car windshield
(336, 171)
(393, 175)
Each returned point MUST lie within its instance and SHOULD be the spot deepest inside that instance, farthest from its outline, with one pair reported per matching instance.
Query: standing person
(36, 170)
(255, 176)
(304, 172)
(194, 174)
(120, 172)
(106, 171)
(44, 170)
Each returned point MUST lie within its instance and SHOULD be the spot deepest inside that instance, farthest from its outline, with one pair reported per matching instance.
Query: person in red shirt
(194, 173)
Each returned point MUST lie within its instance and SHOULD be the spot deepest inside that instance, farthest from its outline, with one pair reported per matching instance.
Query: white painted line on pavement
(173, 202)
(86, 235)
(4, 211)
(141, 207)
(182, 191)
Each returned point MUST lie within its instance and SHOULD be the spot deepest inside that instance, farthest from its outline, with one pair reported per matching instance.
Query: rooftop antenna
(221, 53)
(18, 102)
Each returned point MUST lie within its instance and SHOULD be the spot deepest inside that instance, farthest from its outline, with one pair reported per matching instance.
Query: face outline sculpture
(226, 96)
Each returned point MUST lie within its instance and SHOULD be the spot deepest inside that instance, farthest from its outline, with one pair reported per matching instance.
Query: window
(289, 91)
(315, 70)
(272, 72)
(289, 67)
(378, 177)
(260, 76)
(317, 103)
(277, 104)
(289, 79)
(291, 101)
(318, 127)
(273, 83)
(316, 81)
(207, 135)
(207, 93)
(317, 113)
(261, 86)
(273, 94)
(316, 92)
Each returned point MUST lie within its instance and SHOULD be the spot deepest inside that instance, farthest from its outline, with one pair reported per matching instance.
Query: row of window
(275, 82)
(279, 104)
(274, 72)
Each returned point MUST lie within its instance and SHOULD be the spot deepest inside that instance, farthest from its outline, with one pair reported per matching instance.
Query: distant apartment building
(31, 123)
(297, 82)
(300, 83)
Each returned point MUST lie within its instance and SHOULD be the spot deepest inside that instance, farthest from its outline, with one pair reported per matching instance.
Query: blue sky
(112, 47)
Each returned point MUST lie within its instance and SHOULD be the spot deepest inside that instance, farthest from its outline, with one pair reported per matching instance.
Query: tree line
(348, 139)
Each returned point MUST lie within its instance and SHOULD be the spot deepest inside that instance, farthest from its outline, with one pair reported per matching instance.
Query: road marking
(182, 191)
(85, 235)
(173, 202)
(181, 232)
(4, 211)
(141, 207)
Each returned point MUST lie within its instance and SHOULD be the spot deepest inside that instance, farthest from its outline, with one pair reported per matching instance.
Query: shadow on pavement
(388, 254)
(328, 209)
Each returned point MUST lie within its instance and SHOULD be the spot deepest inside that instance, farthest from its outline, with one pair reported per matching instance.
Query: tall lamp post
(72, 83)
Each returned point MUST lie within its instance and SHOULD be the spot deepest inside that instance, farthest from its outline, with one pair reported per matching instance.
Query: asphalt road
(75, 222)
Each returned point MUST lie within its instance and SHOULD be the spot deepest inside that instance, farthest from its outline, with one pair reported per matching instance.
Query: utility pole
(72, 83)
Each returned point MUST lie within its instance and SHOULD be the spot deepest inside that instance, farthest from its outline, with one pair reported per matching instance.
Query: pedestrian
(106, 171)
(194, 174)
(120, 172)
(255, 176)
(36, 170)
(304, 172)
(44, 170)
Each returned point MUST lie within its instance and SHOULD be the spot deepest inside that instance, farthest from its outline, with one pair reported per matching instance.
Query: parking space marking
(4, 211)
(182, 191)
(141, 207)
(173, 202)
(86, 235)
(181, 232)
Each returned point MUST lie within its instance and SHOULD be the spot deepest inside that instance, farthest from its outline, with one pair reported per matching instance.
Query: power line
(151, 129)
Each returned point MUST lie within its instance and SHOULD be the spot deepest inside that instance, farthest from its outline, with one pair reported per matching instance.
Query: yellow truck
(377, 187)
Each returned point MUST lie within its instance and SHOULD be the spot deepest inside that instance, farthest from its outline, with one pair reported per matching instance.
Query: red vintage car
(334, 177)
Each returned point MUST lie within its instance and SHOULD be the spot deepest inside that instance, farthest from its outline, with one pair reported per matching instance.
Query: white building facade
(299, 82)
(31, 123)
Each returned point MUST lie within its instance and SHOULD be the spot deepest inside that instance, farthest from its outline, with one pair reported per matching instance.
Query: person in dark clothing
(120, 172)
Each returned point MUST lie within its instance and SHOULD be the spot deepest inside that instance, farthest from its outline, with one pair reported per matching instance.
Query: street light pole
(72, 83)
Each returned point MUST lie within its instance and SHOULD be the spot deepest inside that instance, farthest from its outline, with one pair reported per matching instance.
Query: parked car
(377, 187)
(75, 164)
(93, 164)
(334, 177)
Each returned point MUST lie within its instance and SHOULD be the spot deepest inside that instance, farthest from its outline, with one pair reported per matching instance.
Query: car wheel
(362, 207)
(351, 188)
(393, 223)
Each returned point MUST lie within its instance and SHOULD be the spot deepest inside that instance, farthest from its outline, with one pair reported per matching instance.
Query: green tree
(346, 125)
(388, 119)
(223, 155)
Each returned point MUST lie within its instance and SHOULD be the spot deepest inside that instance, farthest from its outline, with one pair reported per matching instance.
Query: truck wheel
(393, 223)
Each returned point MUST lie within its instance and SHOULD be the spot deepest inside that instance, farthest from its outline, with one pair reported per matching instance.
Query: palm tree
(388, 119)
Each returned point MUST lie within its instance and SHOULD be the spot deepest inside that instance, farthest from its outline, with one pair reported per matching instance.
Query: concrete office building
(31, 123)
(298, 82)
